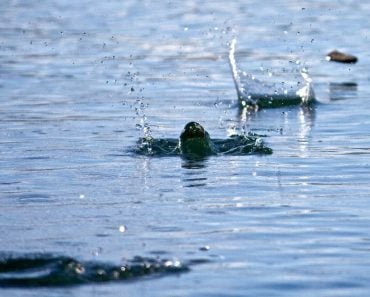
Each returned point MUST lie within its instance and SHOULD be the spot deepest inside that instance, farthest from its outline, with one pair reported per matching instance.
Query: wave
(47, 270)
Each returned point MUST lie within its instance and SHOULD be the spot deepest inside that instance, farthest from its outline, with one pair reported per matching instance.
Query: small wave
(252, 92)
(45, 270)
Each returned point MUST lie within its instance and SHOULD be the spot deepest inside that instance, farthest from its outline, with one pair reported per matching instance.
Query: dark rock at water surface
(337, 56)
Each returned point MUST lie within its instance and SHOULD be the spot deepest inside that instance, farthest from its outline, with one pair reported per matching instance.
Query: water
(81, 82)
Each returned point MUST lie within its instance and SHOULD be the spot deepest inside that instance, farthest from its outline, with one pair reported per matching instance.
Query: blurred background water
(81, 81)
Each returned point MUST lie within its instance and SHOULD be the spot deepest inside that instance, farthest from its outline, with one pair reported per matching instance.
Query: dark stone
(340, 57)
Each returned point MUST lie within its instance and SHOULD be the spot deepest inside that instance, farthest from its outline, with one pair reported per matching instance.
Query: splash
(252, 92)
(244, 144)
(196, 143)
(46, 270)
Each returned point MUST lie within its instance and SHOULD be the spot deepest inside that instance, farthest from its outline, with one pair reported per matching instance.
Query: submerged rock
(337, 56)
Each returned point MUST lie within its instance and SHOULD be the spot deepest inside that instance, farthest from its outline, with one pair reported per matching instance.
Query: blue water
(82, 81)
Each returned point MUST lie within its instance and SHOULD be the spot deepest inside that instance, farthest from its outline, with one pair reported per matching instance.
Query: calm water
(80, 83)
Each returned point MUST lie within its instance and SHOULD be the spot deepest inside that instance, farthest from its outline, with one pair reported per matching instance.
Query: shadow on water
(47, 270)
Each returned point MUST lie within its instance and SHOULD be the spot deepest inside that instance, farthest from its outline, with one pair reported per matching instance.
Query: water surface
(81, 82)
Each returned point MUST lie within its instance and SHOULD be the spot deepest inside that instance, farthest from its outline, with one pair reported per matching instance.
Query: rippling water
(81, 82)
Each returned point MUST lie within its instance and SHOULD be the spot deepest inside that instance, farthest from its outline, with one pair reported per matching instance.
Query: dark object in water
(337, 56)
(195, 143)
(46, 270)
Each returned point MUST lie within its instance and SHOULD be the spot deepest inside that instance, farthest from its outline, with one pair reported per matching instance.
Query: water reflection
(193, 164)
(195, 173)
(341, 91)
(306, 118)
(143, 168)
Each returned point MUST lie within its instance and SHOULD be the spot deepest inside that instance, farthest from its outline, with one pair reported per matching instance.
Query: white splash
(253, 92)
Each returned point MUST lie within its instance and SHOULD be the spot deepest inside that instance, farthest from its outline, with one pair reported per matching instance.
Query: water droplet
(101, 272)
(79, 269)
(186, 29)
(97, 252)
(122, 228)
(259, 142)
(82, 196)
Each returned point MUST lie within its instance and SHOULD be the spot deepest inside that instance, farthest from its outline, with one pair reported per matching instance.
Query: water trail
(252, 92)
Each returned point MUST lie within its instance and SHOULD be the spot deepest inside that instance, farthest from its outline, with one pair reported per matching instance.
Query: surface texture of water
(80, 83)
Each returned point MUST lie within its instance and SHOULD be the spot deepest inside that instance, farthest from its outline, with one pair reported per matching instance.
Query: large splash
(46, 270)
(253, 92)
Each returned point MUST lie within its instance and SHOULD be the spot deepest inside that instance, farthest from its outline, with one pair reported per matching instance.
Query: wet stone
(337, 56)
